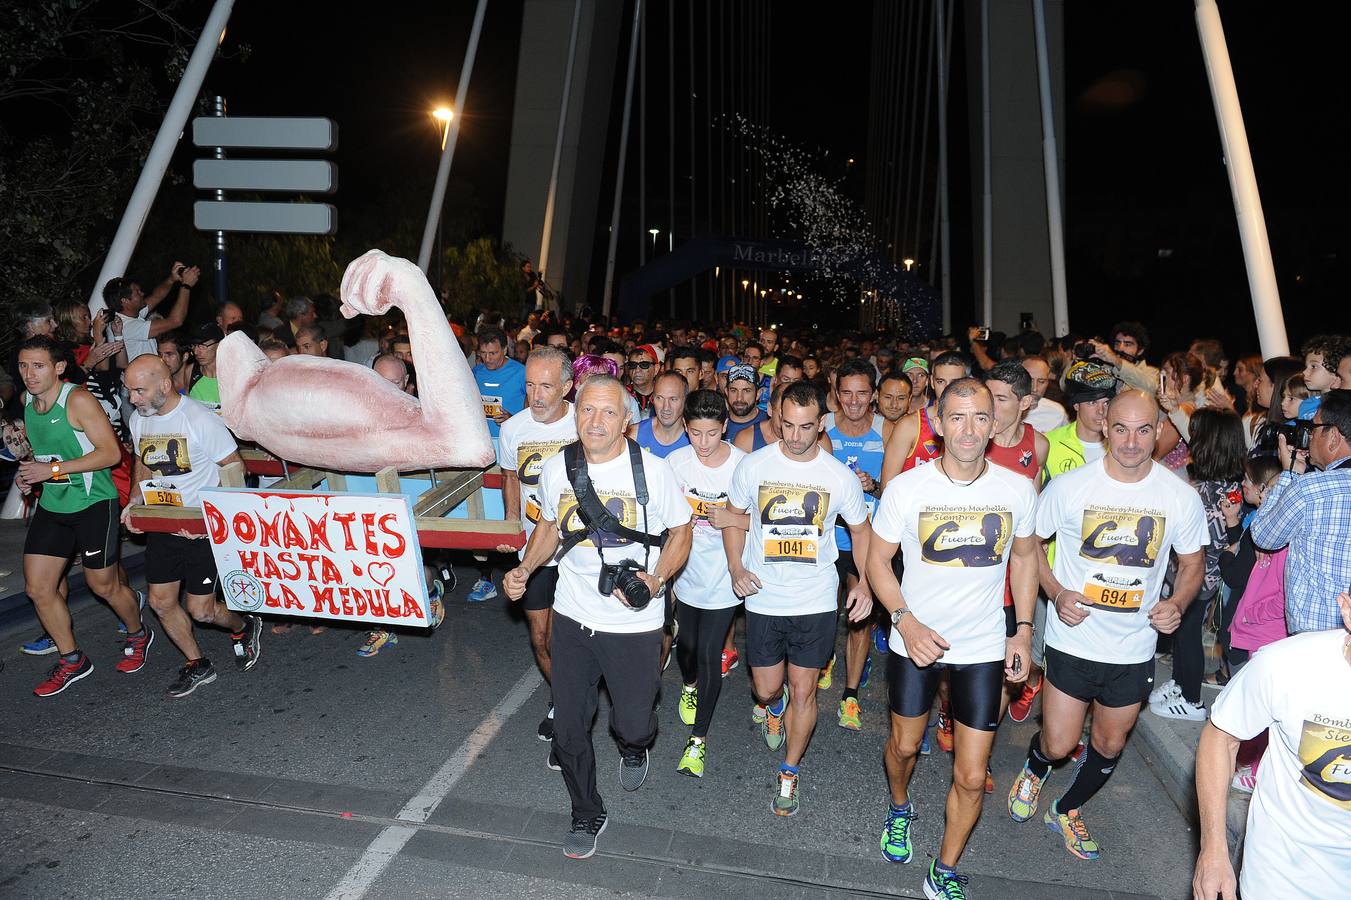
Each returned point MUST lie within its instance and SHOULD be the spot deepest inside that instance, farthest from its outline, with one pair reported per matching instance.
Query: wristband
(1057, 596)
(1020, 624)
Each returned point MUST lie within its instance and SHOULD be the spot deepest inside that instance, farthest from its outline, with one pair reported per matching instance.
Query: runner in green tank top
(74, 447)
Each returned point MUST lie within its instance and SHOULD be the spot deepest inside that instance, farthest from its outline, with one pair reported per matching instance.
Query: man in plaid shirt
(1312, 514)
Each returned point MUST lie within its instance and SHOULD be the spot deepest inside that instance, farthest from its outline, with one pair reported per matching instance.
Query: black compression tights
(699, 655)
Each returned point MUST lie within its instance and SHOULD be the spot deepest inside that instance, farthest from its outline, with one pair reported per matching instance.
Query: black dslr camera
(624, 575)
(1297, 435)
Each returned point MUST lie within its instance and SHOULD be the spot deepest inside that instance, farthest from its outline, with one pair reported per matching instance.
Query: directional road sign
(272, 218)
(265, 133)
(310, 176)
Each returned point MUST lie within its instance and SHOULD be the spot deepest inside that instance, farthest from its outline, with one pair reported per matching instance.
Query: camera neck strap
(593, 513)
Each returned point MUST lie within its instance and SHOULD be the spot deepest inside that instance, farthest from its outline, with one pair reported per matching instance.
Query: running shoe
(785, 798)
(633, 771)
(943, 730)
(1020, 709)
(896, 836)
(377, 639)
(140, 605)
(1024, 795)
(944, 885)
(849, 714)
(772, 727)
(438, 606)
(580, 842)
(758, 713)
(483, 590)
(1245, 779)
(63, 675)
(42, 645)
(1179, 707)
(924, 748)
(133, 655)
(827, 675)
(867, 673)
(881, 639)
(545, 732)
(1168, 689)
(730, 660)
(688, 704)
(1071, 827)
(989, 780)
(193, 675)
(248, 644)
(692, 761)
(553, 762)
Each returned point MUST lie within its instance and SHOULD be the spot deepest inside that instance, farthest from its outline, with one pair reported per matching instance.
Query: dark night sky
(1144, 167)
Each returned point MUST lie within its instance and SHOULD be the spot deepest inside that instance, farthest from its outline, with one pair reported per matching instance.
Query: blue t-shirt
(860, 454)
(502, 388)
(648, 441)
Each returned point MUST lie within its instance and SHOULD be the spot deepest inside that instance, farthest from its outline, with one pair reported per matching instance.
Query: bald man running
(180, 446)
(1107, 609)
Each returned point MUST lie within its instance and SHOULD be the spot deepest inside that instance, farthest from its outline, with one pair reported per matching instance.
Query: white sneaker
(1165, 691)
(1179, 707)
(1245, 779)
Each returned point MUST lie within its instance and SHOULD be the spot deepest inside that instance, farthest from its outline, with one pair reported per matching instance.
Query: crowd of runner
(1012, 523)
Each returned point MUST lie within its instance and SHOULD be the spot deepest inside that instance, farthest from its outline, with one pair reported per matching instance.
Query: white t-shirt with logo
(523, 447)
(579, 569)
(181, 450)
(791, 545)
(956, 540)
(1298, 840)
(1047, 415)
(1112, 545)
(705, 582)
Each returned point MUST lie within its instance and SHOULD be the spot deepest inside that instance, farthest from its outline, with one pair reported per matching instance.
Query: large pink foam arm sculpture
(341, 416)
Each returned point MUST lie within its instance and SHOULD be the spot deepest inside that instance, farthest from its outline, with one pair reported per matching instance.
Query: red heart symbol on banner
(381, 573)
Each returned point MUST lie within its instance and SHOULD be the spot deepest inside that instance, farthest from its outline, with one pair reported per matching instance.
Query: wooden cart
(449, 512)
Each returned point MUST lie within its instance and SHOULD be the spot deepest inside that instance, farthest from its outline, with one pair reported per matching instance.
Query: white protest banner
(351, 557)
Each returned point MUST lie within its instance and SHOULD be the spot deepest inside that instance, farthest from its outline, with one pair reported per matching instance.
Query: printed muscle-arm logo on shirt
(165, 454)
(622, 506)
(968, 538)
(793, 504)
(531, 456)
(1122, 537)
(1325, 759)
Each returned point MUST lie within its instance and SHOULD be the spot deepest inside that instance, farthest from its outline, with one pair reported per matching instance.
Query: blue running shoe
(140, 605)
(867, 672)
(880, 639)
(924, 749)
(42, 645)
(483, 590)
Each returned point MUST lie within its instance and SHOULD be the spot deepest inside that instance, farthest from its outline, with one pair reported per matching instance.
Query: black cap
(207, 333)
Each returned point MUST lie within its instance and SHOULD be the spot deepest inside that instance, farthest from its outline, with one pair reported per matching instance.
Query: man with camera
(1311, 512)
(1126, 355)
(620, 527)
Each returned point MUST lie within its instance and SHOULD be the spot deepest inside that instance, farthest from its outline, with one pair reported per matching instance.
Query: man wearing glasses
(641, 376)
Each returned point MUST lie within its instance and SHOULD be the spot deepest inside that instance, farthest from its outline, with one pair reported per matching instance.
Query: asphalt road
(417, 773)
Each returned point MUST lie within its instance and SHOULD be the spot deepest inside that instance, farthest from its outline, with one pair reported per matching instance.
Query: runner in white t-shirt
(527, 440)
(963, 525)
(705, 600)
(786, 571)
(1114, 522)
(180, 447)
(605, 635)
(1298, 839)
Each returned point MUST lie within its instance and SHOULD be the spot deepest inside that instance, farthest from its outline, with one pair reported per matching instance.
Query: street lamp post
(443, 115)
(745, 303)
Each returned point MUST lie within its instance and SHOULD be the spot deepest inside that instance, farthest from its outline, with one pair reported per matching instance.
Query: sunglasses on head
(643, 364)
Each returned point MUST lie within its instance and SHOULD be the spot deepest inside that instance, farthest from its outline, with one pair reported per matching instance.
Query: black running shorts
(976, 690)
(1111, 684)
(91, 533)
(805, 641)
(171, 558)
(540, 589)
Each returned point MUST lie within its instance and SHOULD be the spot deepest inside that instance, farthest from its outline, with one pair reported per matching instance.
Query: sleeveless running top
(928, 445)
(758, 440)
(1020, 458)
(735, 428)
(864, 453)
(54, 439)
(648, 441)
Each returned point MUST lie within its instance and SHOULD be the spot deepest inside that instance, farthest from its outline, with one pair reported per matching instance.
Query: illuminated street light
(654, 232)
(908, 262)
(443, 115)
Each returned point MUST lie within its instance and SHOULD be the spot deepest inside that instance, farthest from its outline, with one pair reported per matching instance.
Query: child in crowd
(1322, 356)
(1293, 397)
(1255, 614)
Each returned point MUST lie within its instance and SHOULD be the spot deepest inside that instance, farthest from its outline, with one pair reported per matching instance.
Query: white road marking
(389, 842)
